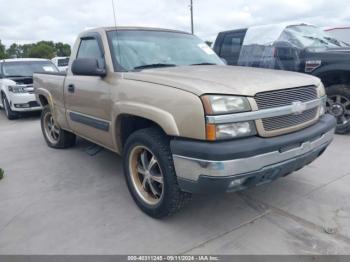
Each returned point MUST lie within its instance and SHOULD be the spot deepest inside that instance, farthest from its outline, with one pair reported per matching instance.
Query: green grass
(1, 173)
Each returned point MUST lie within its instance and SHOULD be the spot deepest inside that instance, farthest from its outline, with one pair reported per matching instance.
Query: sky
(23, 21)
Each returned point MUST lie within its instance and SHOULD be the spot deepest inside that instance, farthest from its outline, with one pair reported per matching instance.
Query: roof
(268, 26)
(112, 28)
(24, 60)
(338, 28)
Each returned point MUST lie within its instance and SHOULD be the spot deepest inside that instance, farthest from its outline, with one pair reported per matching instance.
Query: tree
(62, 49)
(42, 49)
(14, 51)
(2, 51)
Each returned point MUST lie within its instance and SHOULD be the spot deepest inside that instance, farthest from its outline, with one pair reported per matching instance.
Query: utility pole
(191, 8)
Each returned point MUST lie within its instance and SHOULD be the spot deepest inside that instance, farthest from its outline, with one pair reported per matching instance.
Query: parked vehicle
(61, 63)
(299, 47)
(16, 83)
(341, 33)
(184, 121)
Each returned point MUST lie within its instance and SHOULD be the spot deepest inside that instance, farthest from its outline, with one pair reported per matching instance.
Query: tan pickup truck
(183, 121)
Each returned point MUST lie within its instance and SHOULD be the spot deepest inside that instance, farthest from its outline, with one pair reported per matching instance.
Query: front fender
(163, 118)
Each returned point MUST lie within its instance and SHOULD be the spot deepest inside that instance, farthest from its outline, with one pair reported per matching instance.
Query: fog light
(237, 182)
(22, 105)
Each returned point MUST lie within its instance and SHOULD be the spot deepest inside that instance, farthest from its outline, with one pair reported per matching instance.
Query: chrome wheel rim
(339, 106)
(146, 175)
(51, 130)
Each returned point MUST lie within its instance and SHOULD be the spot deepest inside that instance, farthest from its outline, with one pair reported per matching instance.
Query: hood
(233, 80)
(339, 55)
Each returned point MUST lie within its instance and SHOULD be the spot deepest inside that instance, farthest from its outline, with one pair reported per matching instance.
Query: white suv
(16, 84)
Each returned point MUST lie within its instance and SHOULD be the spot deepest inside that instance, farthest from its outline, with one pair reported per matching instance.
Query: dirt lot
(68, 202)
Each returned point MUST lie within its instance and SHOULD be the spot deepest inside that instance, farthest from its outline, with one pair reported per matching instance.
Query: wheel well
(43, 100)
(128, 124)
(335, 77)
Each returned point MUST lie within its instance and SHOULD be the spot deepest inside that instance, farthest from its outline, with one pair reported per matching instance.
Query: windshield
(27, 68)
(306, 36)
(135, 50)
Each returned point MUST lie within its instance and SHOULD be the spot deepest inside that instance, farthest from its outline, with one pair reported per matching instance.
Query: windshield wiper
(154, 66)
(204, 64)
(336, 41)
(15, 76)
(317, 39)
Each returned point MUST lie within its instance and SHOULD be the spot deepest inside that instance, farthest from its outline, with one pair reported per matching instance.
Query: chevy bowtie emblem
(298, 107)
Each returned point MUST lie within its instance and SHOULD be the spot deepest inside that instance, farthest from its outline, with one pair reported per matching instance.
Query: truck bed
(53, 82)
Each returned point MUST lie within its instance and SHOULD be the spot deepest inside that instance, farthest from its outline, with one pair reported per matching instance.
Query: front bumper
(23, 102)
(235, 165)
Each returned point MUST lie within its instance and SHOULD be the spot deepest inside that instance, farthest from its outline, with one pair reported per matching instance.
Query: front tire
(11, 115)
(55, 137)
(150, 173)
(338, 105)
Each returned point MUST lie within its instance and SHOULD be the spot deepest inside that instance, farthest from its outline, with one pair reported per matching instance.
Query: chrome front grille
(285, 97)
(280, 98)
(281, 122)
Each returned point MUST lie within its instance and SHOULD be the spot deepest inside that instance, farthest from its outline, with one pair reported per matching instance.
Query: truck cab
(295, 47)
(16, 84)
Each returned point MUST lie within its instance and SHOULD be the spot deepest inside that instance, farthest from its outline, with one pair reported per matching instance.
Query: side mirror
(87, 67)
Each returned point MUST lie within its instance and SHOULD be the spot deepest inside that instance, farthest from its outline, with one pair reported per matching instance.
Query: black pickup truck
(301, 48)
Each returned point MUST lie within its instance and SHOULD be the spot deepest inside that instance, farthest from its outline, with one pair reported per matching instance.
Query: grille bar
(285, 97)
(280, 98)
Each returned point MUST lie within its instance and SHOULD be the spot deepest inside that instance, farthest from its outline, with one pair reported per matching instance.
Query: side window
(89, 48)
(231, 45)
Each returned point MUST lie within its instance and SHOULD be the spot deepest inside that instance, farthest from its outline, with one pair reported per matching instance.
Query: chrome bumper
(192, 168)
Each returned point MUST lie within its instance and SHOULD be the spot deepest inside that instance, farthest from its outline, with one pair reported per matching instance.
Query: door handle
(71, 88)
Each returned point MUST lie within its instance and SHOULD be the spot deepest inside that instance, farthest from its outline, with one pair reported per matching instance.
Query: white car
(16, 84)
(61, 63)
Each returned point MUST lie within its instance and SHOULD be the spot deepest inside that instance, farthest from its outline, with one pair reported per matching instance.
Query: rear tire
(54, 136)
(11, 115)
(154, 187)
(338, 105)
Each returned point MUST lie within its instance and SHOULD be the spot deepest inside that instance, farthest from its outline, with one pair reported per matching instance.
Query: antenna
(191, 9)
(114, 14)
(116, 32)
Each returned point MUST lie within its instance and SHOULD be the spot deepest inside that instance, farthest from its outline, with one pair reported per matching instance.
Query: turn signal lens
(230, 131)
(211, 132)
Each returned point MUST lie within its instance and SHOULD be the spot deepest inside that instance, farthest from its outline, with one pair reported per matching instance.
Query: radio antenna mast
(191, 10)
(116, 33)
(114, 14)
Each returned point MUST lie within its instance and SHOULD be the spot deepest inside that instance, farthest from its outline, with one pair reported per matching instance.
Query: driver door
(87, 98)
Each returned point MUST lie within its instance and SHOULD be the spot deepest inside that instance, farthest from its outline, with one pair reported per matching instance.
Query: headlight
(321, 91)
(215, 104)
(221, 104)
(230, 131)
(17, 89)
(323, 107)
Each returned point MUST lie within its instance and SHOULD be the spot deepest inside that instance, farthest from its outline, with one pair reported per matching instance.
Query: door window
(231, 45)
(89, 48)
